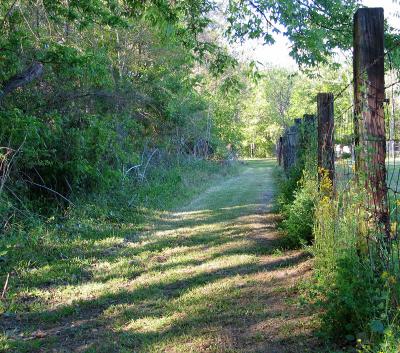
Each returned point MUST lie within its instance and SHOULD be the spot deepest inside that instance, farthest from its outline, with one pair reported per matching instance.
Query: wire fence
(392, 129)
(366, 165)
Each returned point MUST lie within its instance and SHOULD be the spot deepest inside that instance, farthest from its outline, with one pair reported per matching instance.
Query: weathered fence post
(289, 147)
(279, 151)
(369, 122)
(326, 148)
(309, 131)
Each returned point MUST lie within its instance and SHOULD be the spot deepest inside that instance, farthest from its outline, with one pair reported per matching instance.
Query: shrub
(390, 342)
(287, 186)
(298, 192)
(299, 214)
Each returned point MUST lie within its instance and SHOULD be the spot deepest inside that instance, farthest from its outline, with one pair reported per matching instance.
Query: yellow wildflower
(385, 275)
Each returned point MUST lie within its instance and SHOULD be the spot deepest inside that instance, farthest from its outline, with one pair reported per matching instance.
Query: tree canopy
(87, 86)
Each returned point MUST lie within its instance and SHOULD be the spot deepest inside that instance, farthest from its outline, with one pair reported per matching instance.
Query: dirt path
(207, 278)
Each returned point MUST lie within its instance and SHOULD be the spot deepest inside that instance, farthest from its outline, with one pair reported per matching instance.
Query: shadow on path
(207, 278)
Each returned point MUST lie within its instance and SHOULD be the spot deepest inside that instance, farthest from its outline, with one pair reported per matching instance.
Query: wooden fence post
(326, 148)
(369, 121)
(309, 130)
(279, 151)
(289, 147)
(309, 119)
(295, 140)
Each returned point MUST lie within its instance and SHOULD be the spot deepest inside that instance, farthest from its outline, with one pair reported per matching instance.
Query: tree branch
(33, 72)
(8, 13)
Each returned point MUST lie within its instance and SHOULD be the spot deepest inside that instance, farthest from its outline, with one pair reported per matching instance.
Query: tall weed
(355, 300)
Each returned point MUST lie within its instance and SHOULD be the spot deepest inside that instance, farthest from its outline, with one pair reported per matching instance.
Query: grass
(205, 277)
(345, 169)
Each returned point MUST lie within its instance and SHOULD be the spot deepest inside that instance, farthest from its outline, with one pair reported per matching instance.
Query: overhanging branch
(33, 72)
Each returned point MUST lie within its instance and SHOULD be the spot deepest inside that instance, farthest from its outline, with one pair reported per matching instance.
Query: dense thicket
(91, 88)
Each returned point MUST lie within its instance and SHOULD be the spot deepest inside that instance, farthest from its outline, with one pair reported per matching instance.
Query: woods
(106, 85)
(116, 114)
(88, 90)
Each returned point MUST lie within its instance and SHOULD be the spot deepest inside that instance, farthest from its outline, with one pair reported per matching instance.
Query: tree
(315, 27)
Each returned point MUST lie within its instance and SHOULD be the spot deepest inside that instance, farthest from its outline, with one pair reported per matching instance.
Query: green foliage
(287, 186)
(118, 81)
(278, 97)
(54, 152)
(315, 28)
(266, 111)
(298, 190)
(355, 300)
(390, 342)
(299, 213)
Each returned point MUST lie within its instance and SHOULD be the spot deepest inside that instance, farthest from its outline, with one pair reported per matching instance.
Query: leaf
(377, 326)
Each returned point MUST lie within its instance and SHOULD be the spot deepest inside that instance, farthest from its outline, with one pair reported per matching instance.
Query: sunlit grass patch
(192, 280)
(209, 296)
(120, 268)
(154, 324)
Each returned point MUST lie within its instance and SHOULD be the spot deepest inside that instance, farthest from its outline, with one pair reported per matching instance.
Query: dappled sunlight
(95, 290)
(88, 291)
(154, 324)
(188, 231)
(123, 268)
(188, 215)
(204, 297)
(198, 279)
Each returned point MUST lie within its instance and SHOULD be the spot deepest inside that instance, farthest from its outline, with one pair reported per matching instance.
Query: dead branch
(5, 167)
(51, 190)
(141, 175)
(5, 286)
(32, 73)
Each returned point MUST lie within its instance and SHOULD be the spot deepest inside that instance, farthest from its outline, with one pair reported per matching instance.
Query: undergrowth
(358, 301)
(63, 244)
(358, 298)
(357, 306)
(298, 192)
(299, 214)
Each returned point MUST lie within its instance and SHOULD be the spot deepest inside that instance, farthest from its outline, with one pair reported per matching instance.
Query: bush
(357, 297)
(55, 152)
(390, 342)
(346, 155)
(298, 193)
(287, 186)
(299, 214)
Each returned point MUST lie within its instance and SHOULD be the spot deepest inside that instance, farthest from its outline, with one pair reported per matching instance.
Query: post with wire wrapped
(326, 148)
(279, 151)
(369, 121)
